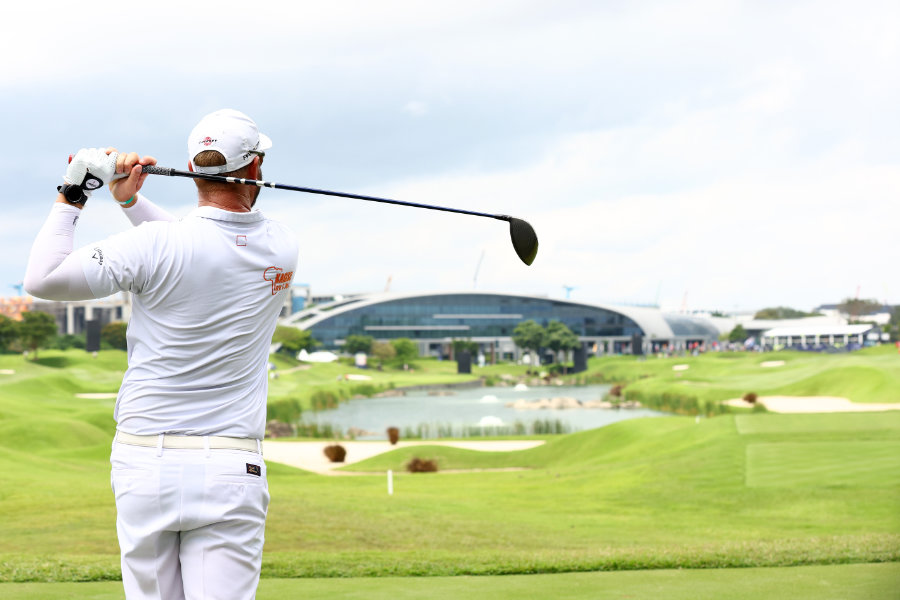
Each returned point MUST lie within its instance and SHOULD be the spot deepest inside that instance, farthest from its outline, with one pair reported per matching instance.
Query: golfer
(187, 467)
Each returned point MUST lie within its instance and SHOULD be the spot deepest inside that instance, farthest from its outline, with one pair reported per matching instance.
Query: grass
(748, 490)
(839, 582)
(814, 464)
(867, 376)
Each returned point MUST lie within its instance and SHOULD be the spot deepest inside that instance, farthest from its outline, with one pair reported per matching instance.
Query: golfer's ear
(190, 167)
(253, 172)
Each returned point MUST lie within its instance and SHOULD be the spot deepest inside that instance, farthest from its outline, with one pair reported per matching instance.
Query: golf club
(524, 239)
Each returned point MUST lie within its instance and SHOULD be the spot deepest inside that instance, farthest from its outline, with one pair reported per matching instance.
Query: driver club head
(524, 239)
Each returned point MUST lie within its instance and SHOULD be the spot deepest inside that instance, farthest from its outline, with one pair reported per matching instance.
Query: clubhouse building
(435, 320)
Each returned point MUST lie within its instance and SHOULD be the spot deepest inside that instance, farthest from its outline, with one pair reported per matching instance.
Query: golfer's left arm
(54, 271)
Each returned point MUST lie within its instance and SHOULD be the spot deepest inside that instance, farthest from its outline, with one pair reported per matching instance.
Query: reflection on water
(482, 407)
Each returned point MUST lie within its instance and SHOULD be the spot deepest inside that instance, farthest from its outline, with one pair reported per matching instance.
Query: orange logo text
(281, 279)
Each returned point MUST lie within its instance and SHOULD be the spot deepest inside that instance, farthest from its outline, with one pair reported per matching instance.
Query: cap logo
(207, 141)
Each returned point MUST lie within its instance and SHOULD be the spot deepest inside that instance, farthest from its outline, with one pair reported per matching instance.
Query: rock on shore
(564, 402)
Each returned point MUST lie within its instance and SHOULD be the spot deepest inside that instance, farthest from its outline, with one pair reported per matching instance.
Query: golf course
(714, 501)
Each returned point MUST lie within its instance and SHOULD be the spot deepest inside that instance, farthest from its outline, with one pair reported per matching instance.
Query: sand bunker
(812, 404)
(310, 456)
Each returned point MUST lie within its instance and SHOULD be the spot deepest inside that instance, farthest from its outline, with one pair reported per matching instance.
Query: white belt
(190, 442)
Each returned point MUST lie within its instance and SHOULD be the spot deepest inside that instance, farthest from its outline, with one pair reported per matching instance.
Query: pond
(474, 411)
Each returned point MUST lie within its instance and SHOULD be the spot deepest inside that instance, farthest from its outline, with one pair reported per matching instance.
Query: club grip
(156, 170)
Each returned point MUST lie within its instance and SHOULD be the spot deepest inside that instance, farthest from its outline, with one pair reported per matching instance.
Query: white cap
(230, 132)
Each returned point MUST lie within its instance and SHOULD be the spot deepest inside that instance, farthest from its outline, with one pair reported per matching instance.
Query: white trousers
(190, 522)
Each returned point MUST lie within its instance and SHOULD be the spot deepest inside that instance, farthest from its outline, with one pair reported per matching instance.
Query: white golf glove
(92, 168)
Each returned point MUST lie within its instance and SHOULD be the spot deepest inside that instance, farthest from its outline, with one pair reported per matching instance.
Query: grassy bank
(698, 384)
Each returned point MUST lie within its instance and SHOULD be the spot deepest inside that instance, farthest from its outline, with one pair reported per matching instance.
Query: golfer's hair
(214, 158)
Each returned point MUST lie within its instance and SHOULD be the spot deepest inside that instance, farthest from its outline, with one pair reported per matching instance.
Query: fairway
(839, 582)
(615, 509)
(823, 464)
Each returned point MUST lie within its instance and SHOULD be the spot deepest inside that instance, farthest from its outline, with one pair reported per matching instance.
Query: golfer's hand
(128, 168)
(91, 168)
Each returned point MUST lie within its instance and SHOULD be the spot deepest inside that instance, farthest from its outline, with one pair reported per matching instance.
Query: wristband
(73, 193)
(127, 202)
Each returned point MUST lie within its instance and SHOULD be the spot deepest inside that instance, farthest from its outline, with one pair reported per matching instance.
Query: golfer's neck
(226, 201)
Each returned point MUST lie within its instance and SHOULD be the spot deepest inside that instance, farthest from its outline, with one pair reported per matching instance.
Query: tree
(528, 335)
(893, 326)
(465, 345)
(406, 349)
(36, 329)
(9, 332)
(738, 334)
(383, 351)
(855, 308)
(358, 343)
(558, 337)
(294, 340)
(781, 312)
(114, 335)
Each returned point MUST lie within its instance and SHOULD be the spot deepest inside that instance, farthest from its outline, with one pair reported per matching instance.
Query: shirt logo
(241, 240)
(253, 470)
(281, 279)
(98, 256)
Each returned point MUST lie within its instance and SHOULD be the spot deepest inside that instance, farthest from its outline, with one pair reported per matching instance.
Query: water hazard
(485, 409)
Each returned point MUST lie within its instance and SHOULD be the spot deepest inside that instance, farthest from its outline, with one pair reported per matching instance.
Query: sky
(696, 155)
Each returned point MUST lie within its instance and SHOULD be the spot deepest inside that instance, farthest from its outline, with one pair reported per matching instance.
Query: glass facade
(462, 316)
(693, 327)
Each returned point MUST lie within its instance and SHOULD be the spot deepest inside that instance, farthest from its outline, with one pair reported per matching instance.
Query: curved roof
(653, 322)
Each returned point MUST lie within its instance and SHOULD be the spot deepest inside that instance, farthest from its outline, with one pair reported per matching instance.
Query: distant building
(823, 336)
(15, 306)
(880, 315)
(71, 316)
(435, 320)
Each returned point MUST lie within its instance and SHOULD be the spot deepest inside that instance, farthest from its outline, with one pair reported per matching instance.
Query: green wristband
(127, 202)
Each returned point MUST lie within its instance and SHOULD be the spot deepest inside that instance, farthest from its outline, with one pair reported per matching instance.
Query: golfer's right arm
(126, 192)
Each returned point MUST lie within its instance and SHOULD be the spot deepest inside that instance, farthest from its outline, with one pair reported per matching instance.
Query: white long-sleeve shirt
(207, 290)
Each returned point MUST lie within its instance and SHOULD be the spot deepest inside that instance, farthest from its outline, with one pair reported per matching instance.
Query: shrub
(319, 430)
(750, 398)
(277, 429)
(323, 399)
(114, 335)
(616, 391)
(286, 411)
(365, 389)
(405, 349)
(422, 465)
(335, 453)
(64, 342)
(393, 435)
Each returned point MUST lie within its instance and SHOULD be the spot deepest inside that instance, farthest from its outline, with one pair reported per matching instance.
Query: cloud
(746, 154)
(415, 108)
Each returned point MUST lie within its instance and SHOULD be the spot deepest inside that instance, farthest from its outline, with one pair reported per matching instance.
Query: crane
(477, 269)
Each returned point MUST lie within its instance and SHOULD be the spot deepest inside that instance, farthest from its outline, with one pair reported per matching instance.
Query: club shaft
(170, 172)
